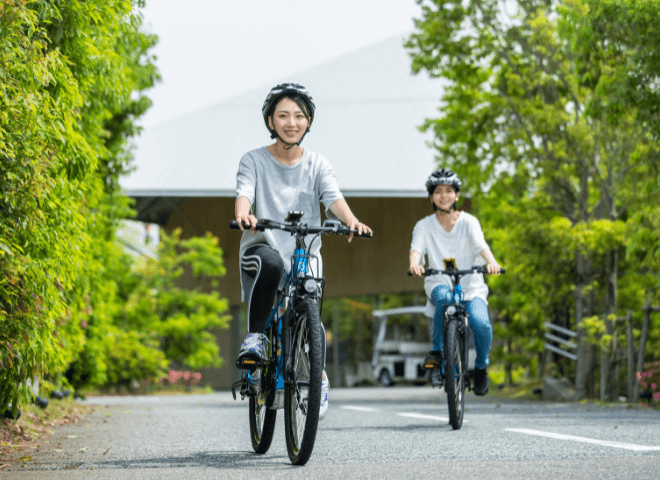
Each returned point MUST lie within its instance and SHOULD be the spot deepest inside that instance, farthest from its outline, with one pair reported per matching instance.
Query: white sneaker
(253, 346)
(325, 386)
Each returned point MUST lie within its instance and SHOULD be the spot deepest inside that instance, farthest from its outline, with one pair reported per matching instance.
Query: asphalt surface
(396, 432)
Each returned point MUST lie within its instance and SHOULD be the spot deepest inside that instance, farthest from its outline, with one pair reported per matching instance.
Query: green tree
(68, 71)
(522, 121)
(175, 318)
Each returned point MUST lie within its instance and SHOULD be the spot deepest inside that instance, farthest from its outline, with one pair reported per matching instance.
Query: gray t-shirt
(274, 189)
(465, 243)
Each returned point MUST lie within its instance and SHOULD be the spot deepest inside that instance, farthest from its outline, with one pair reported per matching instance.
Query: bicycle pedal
(249, 364)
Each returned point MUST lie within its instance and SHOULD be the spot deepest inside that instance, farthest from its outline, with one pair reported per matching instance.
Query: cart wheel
(385, 379)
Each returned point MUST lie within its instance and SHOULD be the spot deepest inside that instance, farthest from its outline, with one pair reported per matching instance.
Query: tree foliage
(550, 116)
(69, 74)
(150, 321)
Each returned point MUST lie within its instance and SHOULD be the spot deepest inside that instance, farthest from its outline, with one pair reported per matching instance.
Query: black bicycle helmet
(444, 176)
(283, 90)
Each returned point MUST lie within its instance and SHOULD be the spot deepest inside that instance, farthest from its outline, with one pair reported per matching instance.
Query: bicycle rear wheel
(302, 400)
(455, 372)
(262, 420)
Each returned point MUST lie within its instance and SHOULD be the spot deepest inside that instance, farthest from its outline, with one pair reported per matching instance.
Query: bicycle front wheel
(262, 420)
(302, 399)
(455, 372)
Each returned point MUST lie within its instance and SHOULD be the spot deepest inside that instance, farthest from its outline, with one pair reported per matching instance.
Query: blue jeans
(479, 323)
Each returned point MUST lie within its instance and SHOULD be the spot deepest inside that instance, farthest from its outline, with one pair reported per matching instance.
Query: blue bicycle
(290, 377)
(456, 341)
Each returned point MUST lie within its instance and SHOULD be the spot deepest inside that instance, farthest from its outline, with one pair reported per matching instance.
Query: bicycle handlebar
(460, 273)
(299, 228)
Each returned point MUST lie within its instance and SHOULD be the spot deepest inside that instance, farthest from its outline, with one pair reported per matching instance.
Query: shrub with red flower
(189, 379)
(649, 379)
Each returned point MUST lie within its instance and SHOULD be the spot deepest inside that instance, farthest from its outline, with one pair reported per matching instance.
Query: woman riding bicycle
(449, 233)
(271, 181)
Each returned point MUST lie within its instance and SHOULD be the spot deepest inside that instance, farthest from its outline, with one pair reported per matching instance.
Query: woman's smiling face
(289, 121)
(444, 196)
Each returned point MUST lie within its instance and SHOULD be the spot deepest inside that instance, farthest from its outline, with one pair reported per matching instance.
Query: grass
(20, 437)
(522, 390)
(157, 389)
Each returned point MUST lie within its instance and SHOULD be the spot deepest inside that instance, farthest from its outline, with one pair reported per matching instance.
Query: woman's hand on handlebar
(247, 219)
(417, 270)
(493, 267)
(355, 224)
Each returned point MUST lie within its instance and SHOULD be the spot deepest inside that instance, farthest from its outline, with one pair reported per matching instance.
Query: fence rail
(554, 338)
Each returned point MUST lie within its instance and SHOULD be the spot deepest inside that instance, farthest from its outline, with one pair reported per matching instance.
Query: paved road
(368, 433)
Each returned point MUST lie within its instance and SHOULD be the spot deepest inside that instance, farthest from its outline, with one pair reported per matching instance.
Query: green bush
(69, 72)
(180, 318)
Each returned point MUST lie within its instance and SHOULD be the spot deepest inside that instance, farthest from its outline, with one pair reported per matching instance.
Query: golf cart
(399, 350)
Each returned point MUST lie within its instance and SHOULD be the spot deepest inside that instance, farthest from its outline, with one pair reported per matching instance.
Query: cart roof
(399, 311)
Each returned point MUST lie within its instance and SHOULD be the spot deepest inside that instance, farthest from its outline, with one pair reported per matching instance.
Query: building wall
(365, 266)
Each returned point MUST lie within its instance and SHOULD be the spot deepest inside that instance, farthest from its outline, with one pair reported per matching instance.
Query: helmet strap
(451, 209)
(287, 145)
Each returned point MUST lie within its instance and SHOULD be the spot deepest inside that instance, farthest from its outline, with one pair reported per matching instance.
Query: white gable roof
(369, 106)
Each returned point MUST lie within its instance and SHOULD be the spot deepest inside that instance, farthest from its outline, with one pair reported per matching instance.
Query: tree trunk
(584, 367)
(582, 310)
(631, 358)
(608, 352)
(642, 346)
(508, 366)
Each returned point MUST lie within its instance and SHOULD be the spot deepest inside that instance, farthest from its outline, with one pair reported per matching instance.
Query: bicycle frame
(291, 295)
(456, 312)
(290, 375)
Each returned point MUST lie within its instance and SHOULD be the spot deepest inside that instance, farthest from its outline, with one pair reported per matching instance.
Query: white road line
(359, 409)
(427, 417)
(559, 436)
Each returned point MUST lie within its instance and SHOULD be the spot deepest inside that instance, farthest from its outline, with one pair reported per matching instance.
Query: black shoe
(434, 363)
(480, 381)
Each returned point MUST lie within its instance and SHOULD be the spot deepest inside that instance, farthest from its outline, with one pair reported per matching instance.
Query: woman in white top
(270, 182)
(449, 233)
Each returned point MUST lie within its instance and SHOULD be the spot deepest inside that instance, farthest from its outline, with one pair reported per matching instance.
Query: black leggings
(262, 269)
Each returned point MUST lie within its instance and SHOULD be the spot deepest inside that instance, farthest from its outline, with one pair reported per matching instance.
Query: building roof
(369, 108)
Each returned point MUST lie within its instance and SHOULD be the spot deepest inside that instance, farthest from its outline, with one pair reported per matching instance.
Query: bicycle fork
(464, 329)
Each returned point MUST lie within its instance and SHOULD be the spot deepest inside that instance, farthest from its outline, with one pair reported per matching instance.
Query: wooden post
(631, 359)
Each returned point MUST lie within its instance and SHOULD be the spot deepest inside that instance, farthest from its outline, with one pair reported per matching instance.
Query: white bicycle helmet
(288, 90)
(444, 176)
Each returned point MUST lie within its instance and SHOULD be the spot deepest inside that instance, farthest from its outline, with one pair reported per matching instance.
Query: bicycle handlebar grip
(234, 225)
(363, 235)
(427, 272)
(502, 270)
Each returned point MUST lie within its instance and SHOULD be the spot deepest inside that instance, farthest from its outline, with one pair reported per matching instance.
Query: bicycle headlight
(310, 285)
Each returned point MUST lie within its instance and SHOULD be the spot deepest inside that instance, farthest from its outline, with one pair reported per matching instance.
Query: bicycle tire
(262, 421)
(455, 383)
(302, 403)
